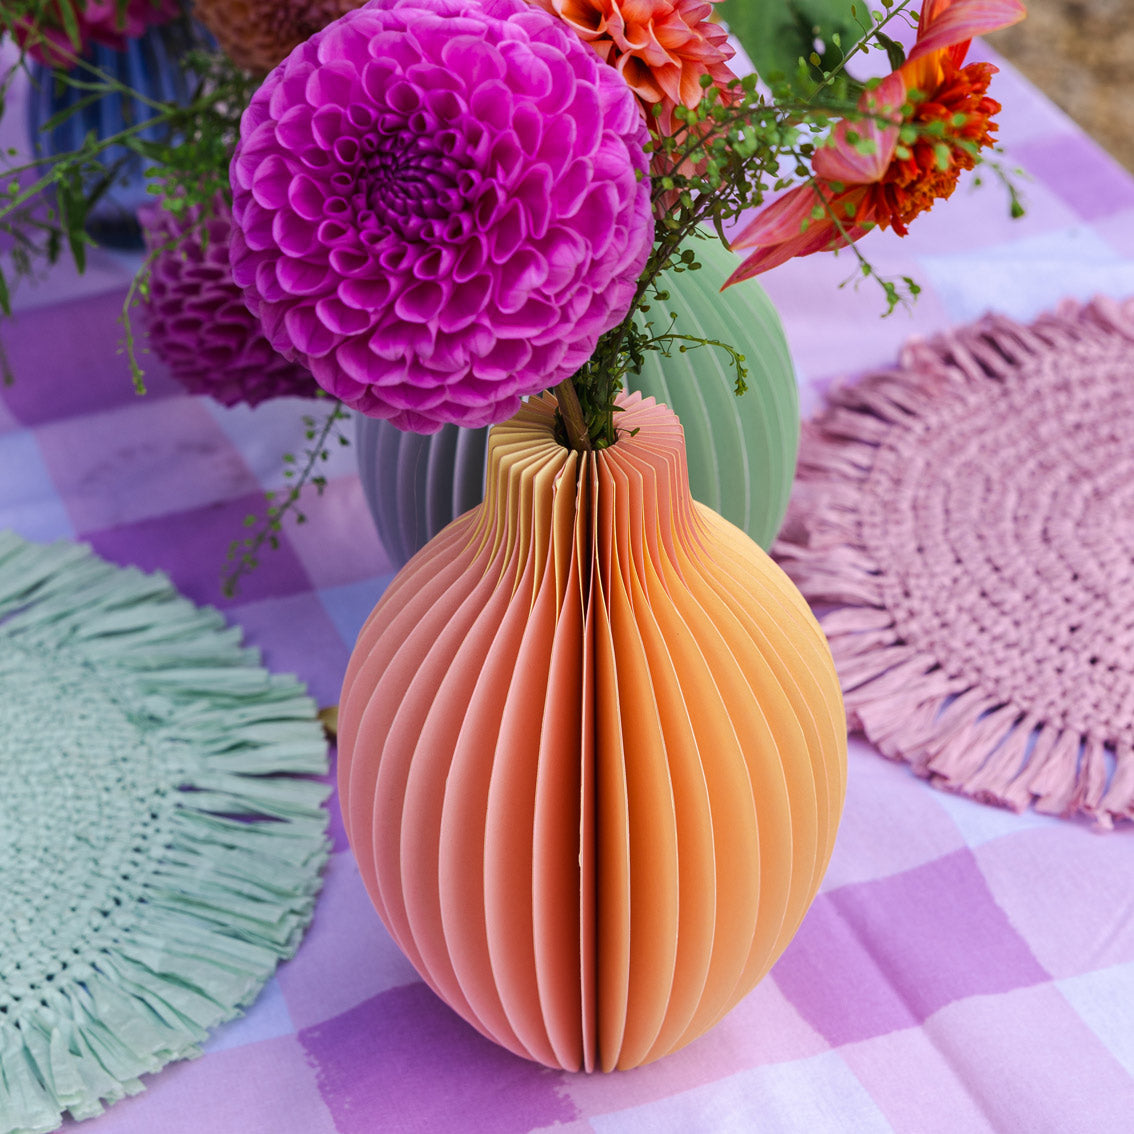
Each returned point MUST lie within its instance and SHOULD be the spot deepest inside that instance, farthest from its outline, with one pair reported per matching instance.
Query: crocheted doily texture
(965, 525)
(161, 832)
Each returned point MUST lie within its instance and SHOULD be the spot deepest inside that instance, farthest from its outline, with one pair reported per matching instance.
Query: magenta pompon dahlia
(197, 321)
(440, 207)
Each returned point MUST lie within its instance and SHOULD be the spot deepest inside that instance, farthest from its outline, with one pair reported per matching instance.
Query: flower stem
(571, 412)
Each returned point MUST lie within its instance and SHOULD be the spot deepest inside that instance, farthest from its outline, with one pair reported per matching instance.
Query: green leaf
(70, 24)
(72, 216)
(74, 108)
(777, 34)
(894, 50)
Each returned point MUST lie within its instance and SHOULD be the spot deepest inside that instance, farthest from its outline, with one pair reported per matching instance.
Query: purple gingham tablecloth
(963, 969)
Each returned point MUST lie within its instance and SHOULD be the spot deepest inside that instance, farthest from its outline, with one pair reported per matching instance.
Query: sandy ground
(1081, 54)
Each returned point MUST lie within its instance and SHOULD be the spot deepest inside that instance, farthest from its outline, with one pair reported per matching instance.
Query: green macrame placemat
(160, 844)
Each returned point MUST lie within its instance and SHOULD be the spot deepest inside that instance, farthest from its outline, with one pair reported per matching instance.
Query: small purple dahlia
(440, 206)
(198, 322)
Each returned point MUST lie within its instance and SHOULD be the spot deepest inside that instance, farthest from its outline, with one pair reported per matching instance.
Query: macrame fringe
(958, 737)
(244, 845)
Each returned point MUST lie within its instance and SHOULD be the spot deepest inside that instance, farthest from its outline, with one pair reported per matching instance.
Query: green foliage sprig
(244, 554)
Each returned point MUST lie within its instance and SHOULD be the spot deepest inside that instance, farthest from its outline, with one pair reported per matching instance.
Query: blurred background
(1081, 54)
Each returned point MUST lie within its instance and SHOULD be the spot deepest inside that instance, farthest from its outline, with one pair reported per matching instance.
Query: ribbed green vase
(741, 450)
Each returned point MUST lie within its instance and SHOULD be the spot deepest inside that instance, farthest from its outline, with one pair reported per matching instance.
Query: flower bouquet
(592, 747)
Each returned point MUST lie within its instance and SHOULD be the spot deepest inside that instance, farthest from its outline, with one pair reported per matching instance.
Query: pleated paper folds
(592, 751)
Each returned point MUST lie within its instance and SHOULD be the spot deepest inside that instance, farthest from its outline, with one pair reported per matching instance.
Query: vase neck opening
(637, 489)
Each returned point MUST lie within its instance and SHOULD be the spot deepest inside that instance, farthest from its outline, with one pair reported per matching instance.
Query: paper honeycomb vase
(592, 751)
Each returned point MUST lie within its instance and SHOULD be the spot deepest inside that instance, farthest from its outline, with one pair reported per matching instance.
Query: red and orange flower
(867, 176)
(661, 48)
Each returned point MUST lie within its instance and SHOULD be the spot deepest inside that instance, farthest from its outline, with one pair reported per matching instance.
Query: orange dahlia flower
(661, 48)
(258, 34)
(893, 182)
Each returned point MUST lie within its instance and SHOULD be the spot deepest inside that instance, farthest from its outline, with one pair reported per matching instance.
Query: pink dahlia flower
(99, 21)
(198, 322)
(440, 206)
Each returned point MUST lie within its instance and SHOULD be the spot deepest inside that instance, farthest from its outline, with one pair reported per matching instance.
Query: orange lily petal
(947, 24)
(825, 238)
(931, 10)
(760, 261)
(927, 73)
(842, 160)
(780, 221)
(786, 229)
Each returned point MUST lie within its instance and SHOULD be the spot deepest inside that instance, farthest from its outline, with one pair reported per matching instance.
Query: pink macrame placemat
(964, 523)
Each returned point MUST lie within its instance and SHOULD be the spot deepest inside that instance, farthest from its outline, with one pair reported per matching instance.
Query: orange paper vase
(592, 751)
